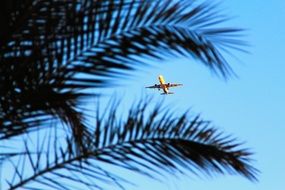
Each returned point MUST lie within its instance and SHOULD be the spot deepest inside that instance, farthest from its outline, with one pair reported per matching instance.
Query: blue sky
(251, 106)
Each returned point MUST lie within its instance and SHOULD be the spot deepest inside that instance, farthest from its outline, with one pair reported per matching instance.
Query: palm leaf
(147, 141)
(60, 48)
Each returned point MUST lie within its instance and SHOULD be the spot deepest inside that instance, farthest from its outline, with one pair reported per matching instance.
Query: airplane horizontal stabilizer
(167, 93)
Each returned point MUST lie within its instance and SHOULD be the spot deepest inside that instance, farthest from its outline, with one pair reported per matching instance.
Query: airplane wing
(172, 85)
(154, 86)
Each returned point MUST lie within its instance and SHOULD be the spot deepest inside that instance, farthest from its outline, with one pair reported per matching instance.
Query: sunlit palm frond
(148, 141)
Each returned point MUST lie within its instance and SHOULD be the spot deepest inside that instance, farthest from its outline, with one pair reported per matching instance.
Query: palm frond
(148, 141)
(102, 36)
(165, 142)
(60, 48)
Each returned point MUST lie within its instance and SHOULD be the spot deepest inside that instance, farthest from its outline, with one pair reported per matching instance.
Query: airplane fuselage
(163, 85)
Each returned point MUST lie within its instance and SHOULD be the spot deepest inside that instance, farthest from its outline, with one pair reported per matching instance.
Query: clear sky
(251, 107)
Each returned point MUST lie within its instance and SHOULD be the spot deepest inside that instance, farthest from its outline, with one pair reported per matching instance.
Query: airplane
(164, 86)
